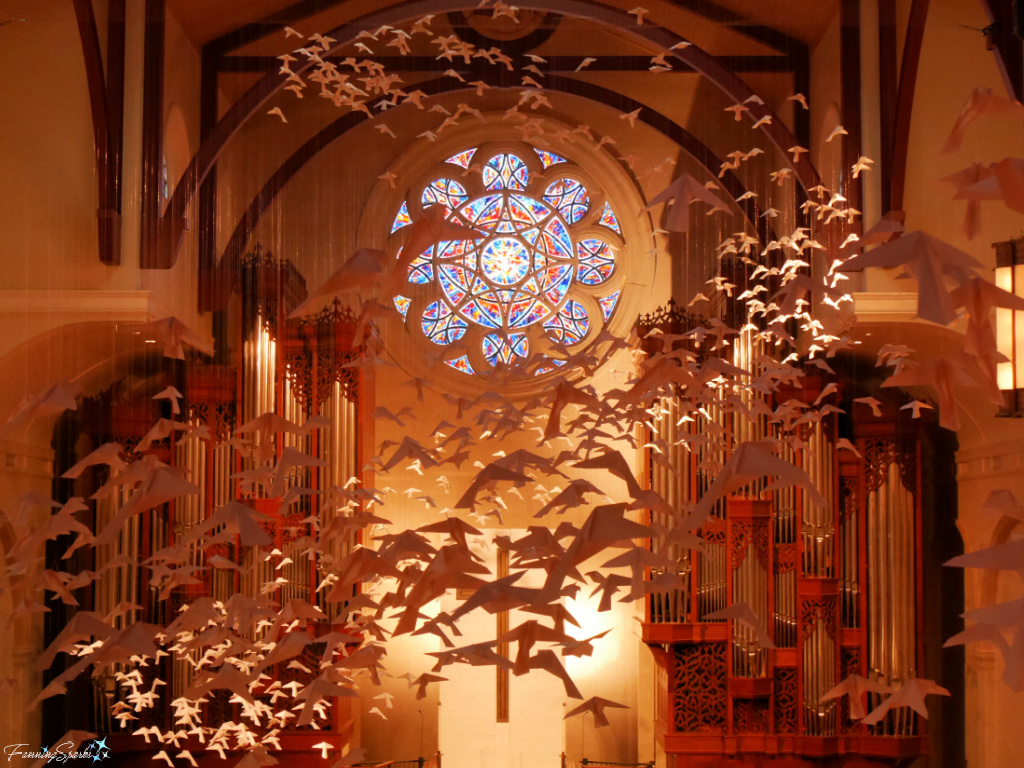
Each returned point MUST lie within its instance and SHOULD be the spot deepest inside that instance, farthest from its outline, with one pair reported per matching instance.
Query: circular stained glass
(523, 277)
(519, 274)
(505, 260)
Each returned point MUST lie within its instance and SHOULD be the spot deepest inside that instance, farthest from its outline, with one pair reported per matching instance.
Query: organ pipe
(838, 593)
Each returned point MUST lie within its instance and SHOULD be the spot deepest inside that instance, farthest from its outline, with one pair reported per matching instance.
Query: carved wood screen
(836, 587)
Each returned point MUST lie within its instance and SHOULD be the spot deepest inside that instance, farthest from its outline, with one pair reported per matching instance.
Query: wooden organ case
(837, 588)
(295, 368)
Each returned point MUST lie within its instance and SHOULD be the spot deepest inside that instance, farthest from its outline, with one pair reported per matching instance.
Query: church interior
(567, 383)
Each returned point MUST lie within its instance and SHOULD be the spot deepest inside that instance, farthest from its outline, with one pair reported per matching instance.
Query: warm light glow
(607, 649)
(1009, 341)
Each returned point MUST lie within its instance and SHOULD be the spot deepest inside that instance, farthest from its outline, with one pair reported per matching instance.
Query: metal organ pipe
(259, 389)
(892, 644)
(338, 450)
(813, 588)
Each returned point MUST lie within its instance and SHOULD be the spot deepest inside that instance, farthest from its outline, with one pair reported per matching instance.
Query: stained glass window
(549, 158)
(448, 193)
(441, 325)
(596, 261)
(422, 269)
(524, 277)
(608, 304)
(165, 180)
(570, 325)
(505, 171)
(461, 364)
(463, 158)
(609, 220)
(569, 197)
(505, 349)
(402, 219)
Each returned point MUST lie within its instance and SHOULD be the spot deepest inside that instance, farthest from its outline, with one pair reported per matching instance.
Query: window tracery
(542, 281)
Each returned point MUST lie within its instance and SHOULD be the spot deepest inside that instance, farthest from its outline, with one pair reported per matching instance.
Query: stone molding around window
(557, 265)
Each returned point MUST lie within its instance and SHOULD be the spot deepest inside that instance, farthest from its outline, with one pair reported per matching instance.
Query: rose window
(538, 285)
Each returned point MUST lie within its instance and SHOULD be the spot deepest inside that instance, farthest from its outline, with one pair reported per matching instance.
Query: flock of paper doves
(235, 645)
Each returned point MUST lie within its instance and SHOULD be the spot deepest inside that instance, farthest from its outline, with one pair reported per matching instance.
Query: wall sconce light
(1010, 326)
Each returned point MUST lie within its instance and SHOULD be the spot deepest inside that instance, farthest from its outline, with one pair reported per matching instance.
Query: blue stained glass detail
(421, 271)
(552, 364)
(506, 171)
(483, 211)
(505, 260)
(538, 209)
(454, 282)
(445, 192)
(548, 158)
(402, 219)
(609, 220)
(441, 325)
(569, 197)
(526, 311)
(463, 158)
(402, 305)
(505, 349)
(450, 249)
(596, 261)
(520, 273)
(559, 242)
(461, 364)
(570, 325)
(608, 304)
(556, 282)
(473, 310)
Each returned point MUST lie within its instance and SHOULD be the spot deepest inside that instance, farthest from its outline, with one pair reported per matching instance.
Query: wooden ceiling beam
(1002, 38)
(106, 100)
(304, 9)
(268, 25)
(217, 284)
(174, 224)
(559, 64)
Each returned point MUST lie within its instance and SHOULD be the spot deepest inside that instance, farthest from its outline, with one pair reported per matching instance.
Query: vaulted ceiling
(206, 20)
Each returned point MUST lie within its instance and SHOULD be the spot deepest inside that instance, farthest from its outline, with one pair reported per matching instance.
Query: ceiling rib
(217, 284)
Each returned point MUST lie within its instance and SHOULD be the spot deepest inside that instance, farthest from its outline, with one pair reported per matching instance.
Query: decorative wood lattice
(745, 532)
(332, 368)
(699, 698)
(785, 700)
(814, 611)
(670, 318)
(320, 353)
(847, 497)
(879, 453)
(218, 418)
(762, 543)
(750, 716)
(270, 287)
(713, 531)
(785, 557)
(849, 664)
(742, 532)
